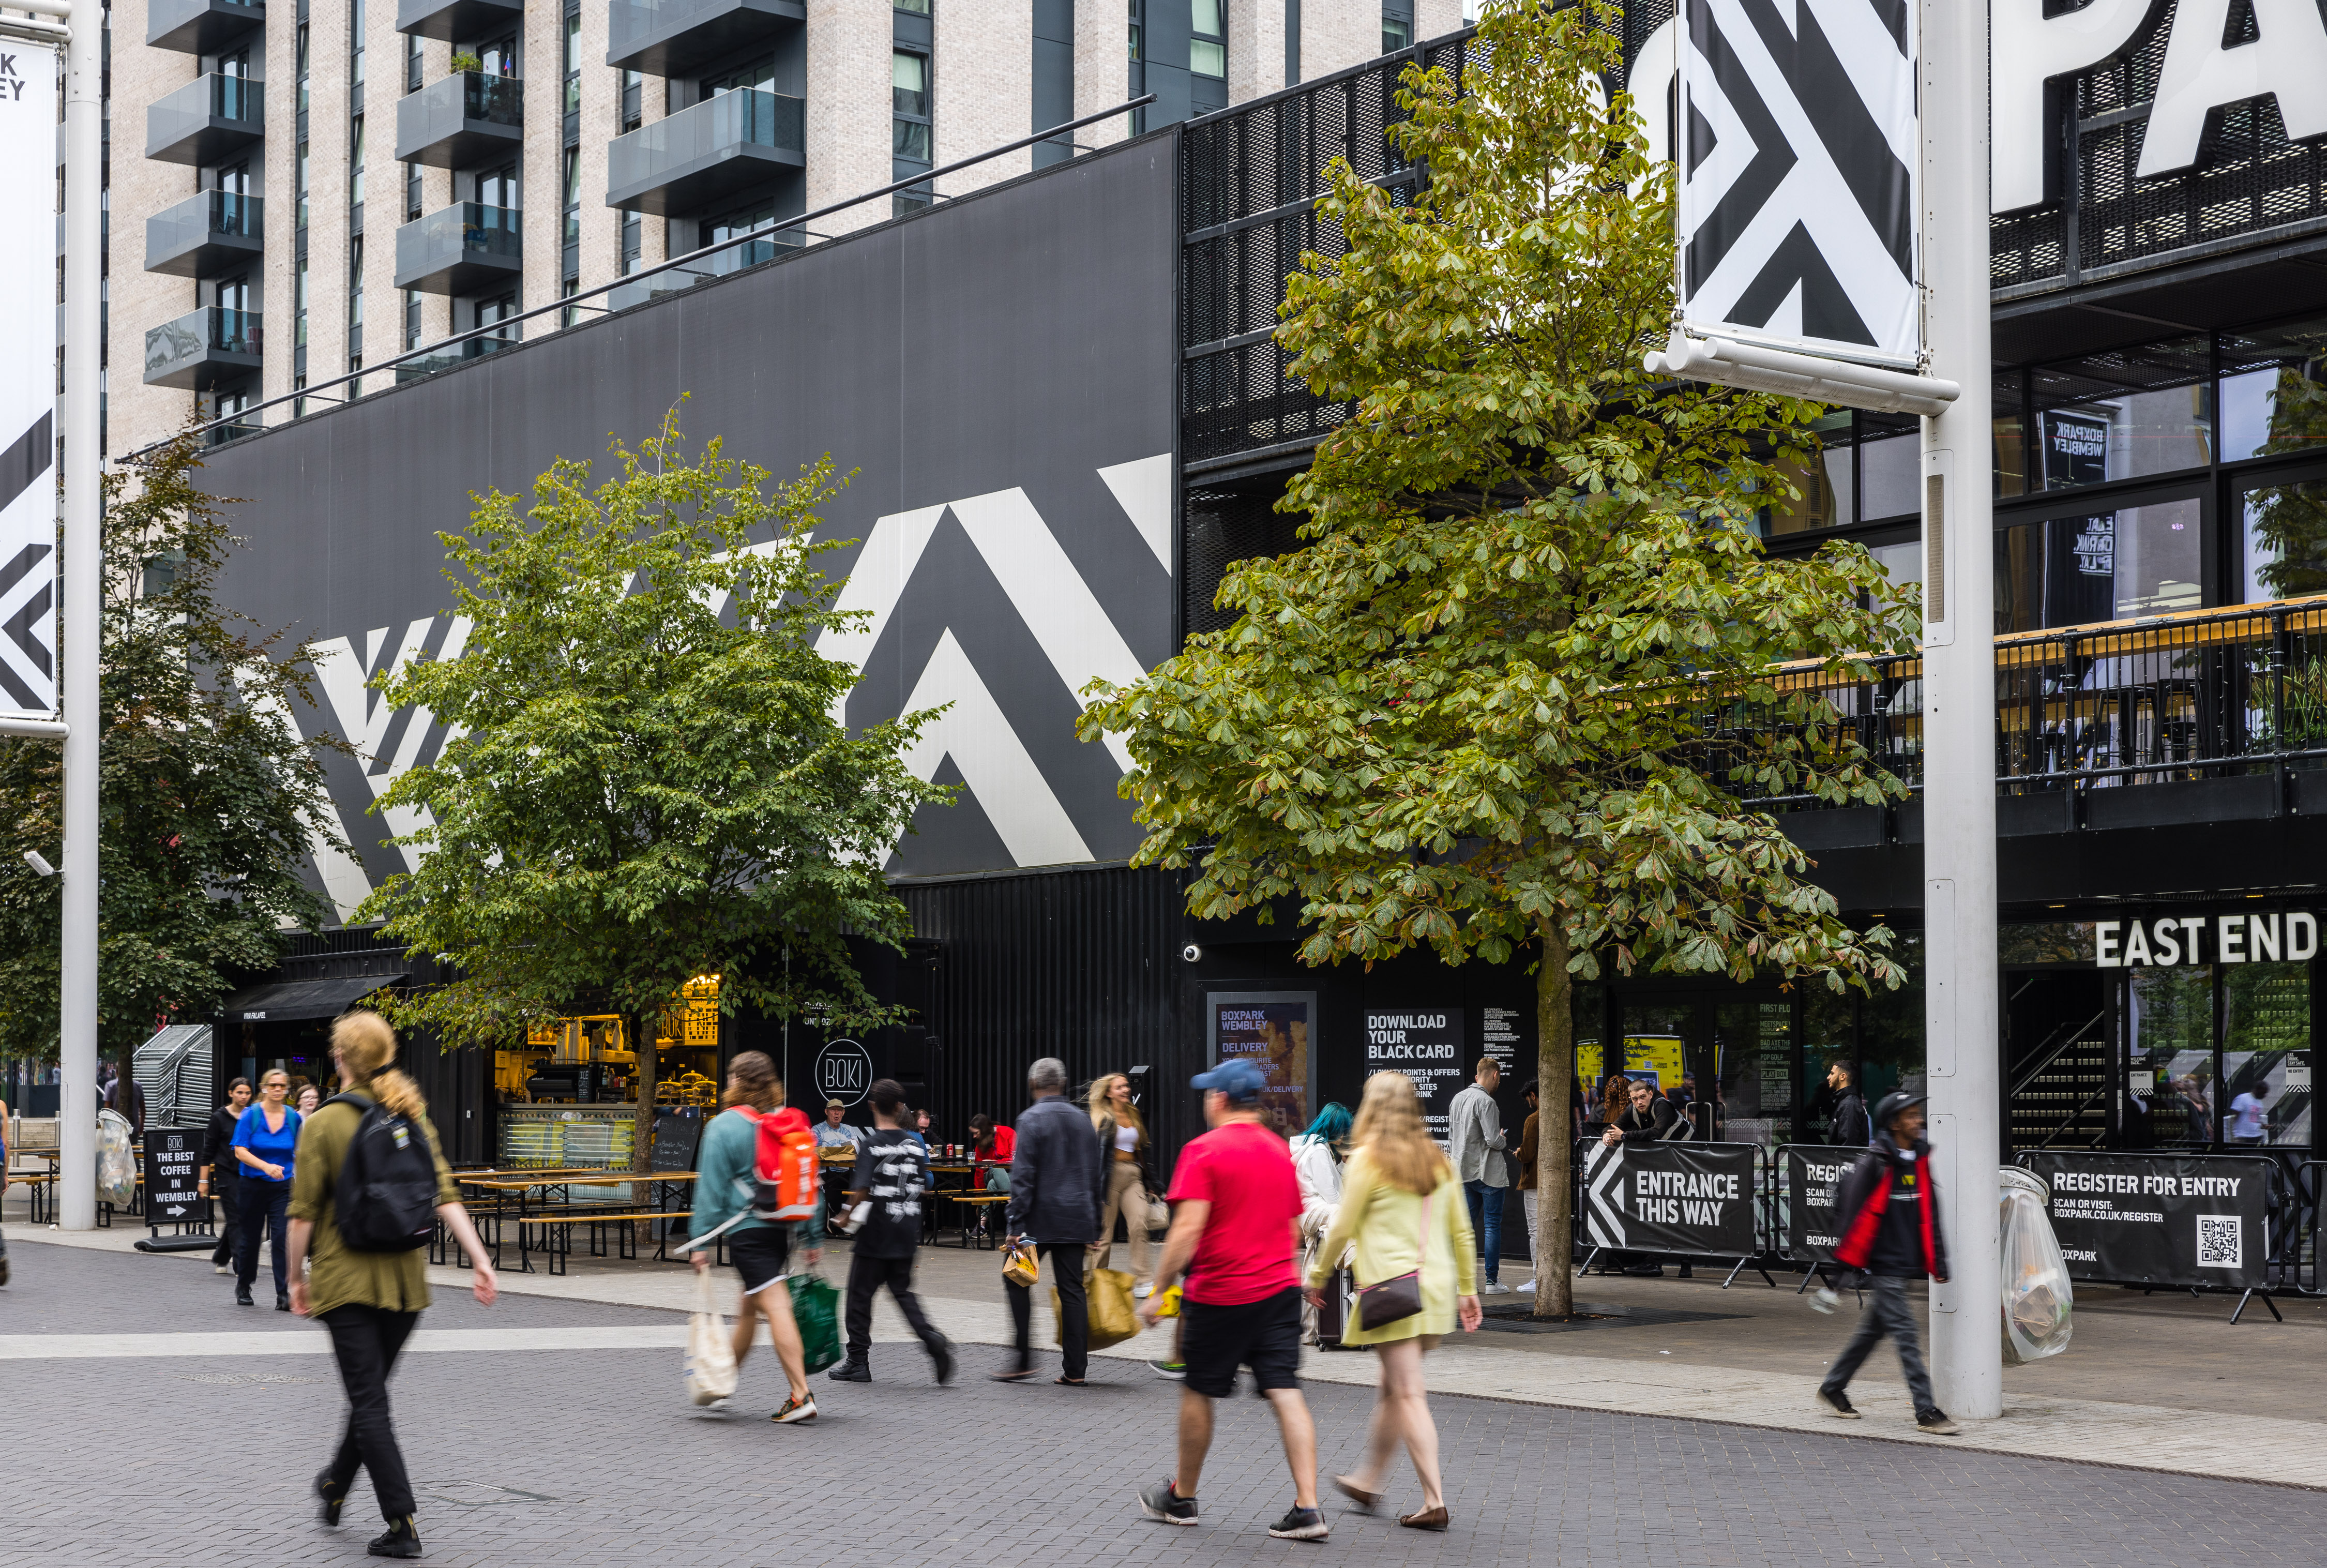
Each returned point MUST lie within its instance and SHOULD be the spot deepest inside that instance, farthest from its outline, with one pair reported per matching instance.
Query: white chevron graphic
(363, 715)
(1144, 490)
(993, 762)
(344, 882)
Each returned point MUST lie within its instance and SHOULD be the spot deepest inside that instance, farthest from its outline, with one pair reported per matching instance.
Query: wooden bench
(974, 1206)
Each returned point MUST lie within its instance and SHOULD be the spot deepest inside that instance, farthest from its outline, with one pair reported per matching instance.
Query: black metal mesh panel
(1225, 527)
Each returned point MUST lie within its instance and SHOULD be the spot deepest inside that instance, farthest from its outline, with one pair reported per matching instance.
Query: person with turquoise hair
(1317, 1161)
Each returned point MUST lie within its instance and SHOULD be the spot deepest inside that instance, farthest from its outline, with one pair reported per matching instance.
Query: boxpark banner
(1692, 1199)
(1813, 1190)
(2160, 1220)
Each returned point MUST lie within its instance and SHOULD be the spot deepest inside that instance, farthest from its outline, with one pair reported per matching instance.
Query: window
(412, 66)
(356, 162)
(633, 91)
(411, 318)
(299, 58)
(355, 42)
(2079, 569)
(496, 312)
(918, 7)
(355, 310)
(567, 290)
(633, 242)
(572, 62)
(1397, 25)
(412, 193)
(498, 187)
(571, 256)
(500, 57)
(1208, 43)
(909, 75)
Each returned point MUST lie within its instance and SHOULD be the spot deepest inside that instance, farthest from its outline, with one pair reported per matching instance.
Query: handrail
(2029, 1077)
(497, 329)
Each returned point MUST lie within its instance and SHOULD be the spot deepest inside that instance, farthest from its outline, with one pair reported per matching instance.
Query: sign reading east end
(173, 1161)
(844, 1072)
(2155, 1219)
(1814, 1176)
(1687, 1199)
(2170, 940)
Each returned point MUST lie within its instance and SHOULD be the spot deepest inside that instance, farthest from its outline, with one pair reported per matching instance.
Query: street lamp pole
(1959, 750)
(83, 462)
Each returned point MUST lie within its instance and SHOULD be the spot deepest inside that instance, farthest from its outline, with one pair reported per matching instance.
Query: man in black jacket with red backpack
(1889, 1227)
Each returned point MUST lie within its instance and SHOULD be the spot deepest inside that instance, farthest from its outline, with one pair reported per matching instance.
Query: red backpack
(784, 1168)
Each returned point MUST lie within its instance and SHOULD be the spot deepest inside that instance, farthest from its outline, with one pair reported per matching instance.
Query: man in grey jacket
(1475, 1143)
(1056, 1181)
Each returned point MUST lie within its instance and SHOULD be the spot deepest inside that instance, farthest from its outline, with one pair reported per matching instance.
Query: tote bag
(710, 1352)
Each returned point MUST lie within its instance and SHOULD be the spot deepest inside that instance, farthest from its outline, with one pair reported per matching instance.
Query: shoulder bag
(1398, 1297)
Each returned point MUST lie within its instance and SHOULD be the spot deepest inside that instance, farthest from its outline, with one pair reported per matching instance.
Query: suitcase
(1340, 1292)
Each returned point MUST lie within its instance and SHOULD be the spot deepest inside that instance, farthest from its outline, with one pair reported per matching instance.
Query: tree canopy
(1518, 689)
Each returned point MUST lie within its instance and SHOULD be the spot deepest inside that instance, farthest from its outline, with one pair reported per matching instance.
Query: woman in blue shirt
(264, 1142)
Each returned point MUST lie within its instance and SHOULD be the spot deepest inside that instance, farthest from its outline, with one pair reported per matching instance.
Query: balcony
(207, 121)
(734, 259)
(459, 249)
(458, 20)
(451, 356)
(462, 121)
(734, 142)
(202, 348)
(205, 235)
(675, 37)
(200, 26)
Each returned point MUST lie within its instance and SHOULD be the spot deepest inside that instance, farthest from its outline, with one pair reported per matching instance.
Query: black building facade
(1070, 414)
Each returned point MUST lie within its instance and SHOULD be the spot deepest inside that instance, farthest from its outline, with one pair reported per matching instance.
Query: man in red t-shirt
(1235, 1228)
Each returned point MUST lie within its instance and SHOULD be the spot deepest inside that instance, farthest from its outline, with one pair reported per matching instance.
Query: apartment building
(303, 188)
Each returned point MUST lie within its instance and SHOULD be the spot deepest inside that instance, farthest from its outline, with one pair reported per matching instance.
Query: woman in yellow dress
(1404, 1210)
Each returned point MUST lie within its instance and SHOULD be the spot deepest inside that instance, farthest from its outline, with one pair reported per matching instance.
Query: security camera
(1191, 952)
(39, 862)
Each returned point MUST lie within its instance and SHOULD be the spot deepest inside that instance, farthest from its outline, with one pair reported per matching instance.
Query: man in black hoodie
(1890, 1225)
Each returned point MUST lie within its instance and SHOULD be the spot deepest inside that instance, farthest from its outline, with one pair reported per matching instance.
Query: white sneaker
(1823, 1300)
(1523, 1287)
(1143, 1291)
(1494, 1288)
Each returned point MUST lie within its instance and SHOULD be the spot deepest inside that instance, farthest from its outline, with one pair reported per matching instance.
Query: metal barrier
(2302, 1249)
(1687, 1211)
(2280, 1211)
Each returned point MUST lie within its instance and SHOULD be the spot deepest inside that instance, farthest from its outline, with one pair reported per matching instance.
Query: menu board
(677, 1130)
(1273, 1029)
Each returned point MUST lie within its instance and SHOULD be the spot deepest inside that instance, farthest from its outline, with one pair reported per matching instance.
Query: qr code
(2219, 1240)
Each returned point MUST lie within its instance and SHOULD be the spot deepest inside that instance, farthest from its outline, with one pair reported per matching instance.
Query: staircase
(2059, 1094)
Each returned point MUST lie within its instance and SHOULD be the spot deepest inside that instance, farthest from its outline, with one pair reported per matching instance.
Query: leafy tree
(206, 793)
(645, 780)
(1517, 689)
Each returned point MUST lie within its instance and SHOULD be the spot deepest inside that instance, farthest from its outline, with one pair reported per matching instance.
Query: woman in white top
(1123, 1139)
(1317, 1161)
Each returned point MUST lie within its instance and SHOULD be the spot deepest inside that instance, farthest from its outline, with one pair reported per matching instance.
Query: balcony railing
(205, 234)
(725, 145)
(2229, 705)
(462, 120)
(200, 26)
(206, 120)
(451, 20)
(451, 358)
(674, 37)
(203, 348)
(459, 248)
(734, 259)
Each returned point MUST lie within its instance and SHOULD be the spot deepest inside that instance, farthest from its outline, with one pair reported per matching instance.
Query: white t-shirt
(2246, 1112)
(1127, 1139)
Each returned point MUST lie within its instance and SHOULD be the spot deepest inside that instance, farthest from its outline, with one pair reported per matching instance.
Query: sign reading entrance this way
(1686, 1198)
(2174, 939)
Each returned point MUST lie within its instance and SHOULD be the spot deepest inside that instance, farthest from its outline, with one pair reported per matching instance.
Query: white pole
(83, 460)
(1959, 1010)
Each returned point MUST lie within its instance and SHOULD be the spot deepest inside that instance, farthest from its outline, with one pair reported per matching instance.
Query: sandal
(1065, 1382)
(1426, 1519)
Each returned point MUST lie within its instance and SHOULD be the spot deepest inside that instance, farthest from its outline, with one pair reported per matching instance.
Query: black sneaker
(1933, 1419)
(941, 1359)
(401, 1540)
(242, 1296)
(1165, 1506)
(328, 1513)
(1301, 1524)
(851, 1372)
(1835, 1400)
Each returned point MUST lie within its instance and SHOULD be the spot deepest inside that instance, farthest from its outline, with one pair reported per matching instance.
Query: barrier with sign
(2200, 1222)
(1680, 1199)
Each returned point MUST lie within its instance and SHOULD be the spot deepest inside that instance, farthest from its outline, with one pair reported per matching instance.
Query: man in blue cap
(1236, 1227)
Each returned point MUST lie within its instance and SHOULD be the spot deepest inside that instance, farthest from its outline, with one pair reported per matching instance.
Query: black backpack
(386, 1199)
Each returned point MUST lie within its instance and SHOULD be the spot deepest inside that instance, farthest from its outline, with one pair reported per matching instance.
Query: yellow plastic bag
(1108, 1292)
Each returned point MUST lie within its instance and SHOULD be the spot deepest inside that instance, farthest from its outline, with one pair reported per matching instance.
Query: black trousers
(365, 1341)
(866, 1275)
(1074, 1311)
(227, 1188)
(266, 1211)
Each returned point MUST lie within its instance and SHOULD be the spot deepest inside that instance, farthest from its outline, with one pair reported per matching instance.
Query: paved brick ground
(570, 1459)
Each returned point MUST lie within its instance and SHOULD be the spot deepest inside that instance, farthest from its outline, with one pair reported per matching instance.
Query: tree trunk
(1555, 1036)
(642, 1047)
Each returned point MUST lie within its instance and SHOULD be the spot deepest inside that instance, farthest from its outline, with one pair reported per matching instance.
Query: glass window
(1891, 1027)
(2266, 1052)
(2273, 390)
(1891, 468)
(1754, 1048)
(1208, 48)
(1829, 1035)
(2282, 541)
(2124, 414)
(1902, 563)
(2074, 571)
(1589, 1011)
(1824, 480)
(2011, 436)
(918, 7)
(1398, 32)
(2169, 1032)
(356, 161)
(909, 75)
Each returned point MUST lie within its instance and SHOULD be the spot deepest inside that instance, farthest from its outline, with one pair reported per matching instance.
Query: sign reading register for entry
(2160, 1220)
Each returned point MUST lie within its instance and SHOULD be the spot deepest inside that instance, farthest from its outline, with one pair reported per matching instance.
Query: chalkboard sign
(174, 1156)
(677, 1132)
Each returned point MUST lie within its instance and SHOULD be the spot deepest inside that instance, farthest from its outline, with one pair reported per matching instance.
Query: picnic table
(545, 1206)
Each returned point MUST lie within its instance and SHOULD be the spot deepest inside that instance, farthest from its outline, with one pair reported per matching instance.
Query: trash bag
(816, 1309)
(1108, 1292)
(710, 1350)
(2038, 1303)
(117, 1166)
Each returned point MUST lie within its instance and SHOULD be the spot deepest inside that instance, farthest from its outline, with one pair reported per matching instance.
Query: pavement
(155, 1422)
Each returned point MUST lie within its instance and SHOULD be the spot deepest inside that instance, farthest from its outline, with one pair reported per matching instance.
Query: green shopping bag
(815, 1307)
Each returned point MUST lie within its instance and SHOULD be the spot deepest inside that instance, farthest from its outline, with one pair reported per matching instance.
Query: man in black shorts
(1236, 1228)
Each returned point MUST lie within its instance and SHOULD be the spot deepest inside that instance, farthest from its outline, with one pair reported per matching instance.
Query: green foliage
(646, 780)
(205, 790)
(1479, 706)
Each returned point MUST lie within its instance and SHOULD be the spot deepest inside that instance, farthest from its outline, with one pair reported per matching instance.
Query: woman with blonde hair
(368, 1300)
(1122, 1140)
(1403, 1211)
(265, 1145)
